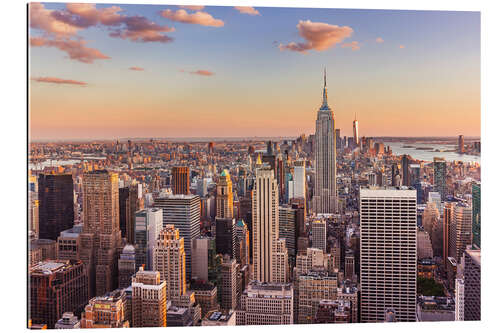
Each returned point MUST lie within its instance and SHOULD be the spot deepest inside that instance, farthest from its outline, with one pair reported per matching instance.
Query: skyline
(191, 86)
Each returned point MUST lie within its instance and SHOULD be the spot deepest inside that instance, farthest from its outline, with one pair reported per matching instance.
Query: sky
(118, 71)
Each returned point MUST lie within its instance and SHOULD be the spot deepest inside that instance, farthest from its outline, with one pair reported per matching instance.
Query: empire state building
(325, 186)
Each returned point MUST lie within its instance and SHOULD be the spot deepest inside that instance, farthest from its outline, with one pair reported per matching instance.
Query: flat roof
(388, 191)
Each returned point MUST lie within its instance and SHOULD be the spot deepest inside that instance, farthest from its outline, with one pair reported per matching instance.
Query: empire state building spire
(325, 163)
(325, 106)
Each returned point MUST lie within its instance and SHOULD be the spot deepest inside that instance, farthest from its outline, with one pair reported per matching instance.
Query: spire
(325, 106)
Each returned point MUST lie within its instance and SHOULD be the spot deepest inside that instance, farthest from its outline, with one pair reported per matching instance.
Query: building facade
(388, 222)
(182, 211)
(55, 205)
(169, 259)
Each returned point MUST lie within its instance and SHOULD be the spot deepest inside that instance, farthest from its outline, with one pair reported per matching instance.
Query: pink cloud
(191, 7)
(401, 46)
(75, 49)
(85, 15)
(353, 45)
(140, 29)
(200, 18)
(318, 36)
(134, 68)
(201, 72)
(43, 19)
(247, 10)
(379, 40)
(58, 81)
(135, 28)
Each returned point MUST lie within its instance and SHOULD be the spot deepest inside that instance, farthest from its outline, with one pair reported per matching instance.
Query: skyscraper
(224, 196)
(227, 287)
(447, 220)
(461, 144)
(148, 224)
(287, 222)
(460, 230)
(180, 180)
(126, 266)
(405, 165)
(204, 264)
(318, 229)
(472, 284)
(325, 187)
(225, 236)
(101, 229)
(55, 210)
(388, 253)
(440, 176)
(355, 131)
(182, 211)
(298, 188)
(149, 299)
(476, 214)
(265, 223)
(169, 259)
(128, 199)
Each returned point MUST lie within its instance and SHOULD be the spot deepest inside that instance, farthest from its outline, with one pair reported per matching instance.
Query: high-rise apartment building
(318, 230)
(266, 304)
(460, 230)
(440, 176)
(55, 210)
(447, 221)
(287, 222)
(55, 287)
(169, 259)
(180, 180)
(325, 184)
(388, 224)
(472, 284)
(476, 214)
(182, 211)
(101, 229)
(148, 224)
(265, 223)
(126, 266)
(227, 288)
(149, 299)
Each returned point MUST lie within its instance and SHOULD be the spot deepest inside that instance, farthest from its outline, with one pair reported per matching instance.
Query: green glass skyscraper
(476, 214)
